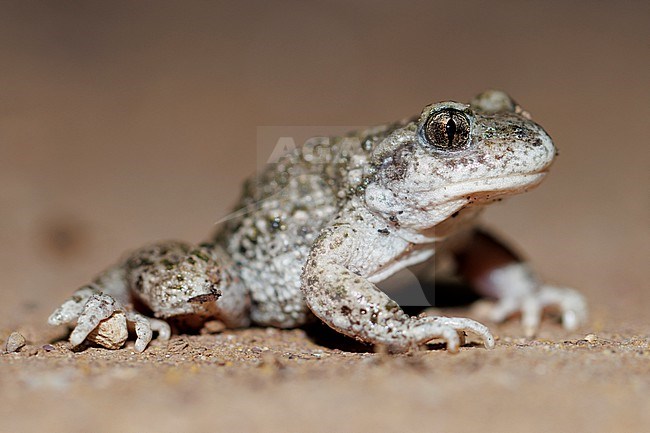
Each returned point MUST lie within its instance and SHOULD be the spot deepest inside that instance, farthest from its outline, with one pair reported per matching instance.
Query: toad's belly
(269, 260)
(273, 282)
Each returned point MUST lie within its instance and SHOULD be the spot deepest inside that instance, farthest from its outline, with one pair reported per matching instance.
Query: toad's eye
(447, 130)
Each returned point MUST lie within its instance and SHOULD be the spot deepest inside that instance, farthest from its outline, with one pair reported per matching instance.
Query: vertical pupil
(450, 129)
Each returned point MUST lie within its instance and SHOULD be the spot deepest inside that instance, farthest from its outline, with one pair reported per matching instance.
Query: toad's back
(281, 212)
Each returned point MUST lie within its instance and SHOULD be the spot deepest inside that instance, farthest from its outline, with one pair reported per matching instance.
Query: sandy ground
(124, 123)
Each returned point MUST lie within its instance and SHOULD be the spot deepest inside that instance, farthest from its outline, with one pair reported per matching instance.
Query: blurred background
(123, 123)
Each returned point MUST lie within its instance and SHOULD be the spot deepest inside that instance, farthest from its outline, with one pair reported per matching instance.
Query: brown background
(127, 122)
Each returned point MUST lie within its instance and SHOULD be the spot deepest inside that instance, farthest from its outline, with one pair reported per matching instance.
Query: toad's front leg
(337, 291)
(497, 272)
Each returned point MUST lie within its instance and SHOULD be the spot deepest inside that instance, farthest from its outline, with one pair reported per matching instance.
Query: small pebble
(112, 332)
(590, 338)
(14, 342)
(213, 327)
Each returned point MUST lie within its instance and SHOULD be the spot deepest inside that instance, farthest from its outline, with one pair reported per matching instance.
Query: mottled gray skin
(316, 230)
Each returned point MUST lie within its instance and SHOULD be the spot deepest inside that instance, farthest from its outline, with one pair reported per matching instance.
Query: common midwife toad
(318, 229)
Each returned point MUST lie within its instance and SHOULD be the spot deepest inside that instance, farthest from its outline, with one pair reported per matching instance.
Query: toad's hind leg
(178, 279)
(92, 304)
(169, 279)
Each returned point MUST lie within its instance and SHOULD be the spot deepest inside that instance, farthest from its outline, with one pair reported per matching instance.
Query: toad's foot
(450, 329)
(86, 309)
(531, 306)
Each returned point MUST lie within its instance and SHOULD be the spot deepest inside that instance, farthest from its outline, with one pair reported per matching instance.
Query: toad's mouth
(483, 189)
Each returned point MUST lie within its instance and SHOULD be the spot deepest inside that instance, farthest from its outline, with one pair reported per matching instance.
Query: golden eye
(447, 130)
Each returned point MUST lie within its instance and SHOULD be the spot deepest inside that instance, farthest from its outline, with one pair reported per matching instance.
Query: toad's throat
(482, 189)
